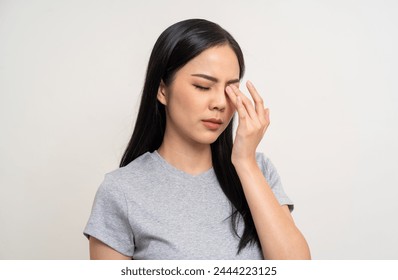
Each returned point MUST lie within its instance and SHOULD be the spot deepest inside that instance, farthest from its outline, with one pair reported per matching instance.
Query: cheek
(182, 105)
(185, 102)
(230, 116)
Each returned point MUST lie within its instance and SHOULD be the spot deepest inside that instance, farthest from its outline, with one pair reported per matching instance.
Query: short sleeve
(109, 221)
(273, 179)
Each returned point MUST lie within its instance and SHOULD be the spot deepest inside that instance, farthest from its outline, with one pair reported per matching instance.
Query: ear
(161, 96)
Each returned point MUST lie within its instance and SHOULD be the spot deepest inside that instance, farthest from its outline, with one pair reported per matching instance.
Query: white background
(71, 74)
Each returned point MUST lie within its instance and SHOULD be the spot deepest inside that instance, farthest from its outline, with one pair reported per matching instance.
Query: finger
(267, 120)
(242, 113)
(232, 96)
(258, 101)
(246, 102)
(237, 101)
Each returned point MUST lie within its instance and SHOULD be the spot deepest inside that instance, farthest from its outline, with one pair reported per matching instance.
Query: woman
(185, 189)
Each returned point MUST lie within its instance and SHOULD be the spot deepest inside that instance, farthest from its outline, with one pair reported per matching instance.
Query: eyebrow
(213, 79)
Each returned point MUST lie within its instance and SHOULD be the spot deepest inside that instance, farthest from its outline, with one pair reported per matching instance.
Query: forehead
(219, 61)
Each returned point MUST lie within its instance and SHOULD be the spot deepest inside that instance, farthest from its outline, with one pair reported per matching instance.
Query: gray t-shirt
(151, 210)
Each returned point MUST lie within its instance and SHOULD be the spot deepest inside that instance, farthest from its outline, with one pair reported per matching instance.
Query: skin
(192, 98)
(279, 237)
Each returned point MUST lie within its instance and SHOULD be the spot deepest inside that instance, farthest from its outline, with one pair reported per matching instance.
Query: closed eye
(201, 88)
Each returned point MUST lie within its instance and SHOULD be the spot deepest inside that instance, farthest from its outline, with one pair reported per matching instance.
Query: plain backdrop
(71, 74)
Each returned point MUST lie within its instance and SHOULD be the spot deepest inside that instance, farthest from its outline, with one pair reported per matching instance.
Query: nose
(219, 100)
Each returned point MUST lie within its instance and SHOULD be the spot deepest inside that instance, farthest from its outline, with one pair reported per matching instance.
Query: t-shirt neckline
(172, 169)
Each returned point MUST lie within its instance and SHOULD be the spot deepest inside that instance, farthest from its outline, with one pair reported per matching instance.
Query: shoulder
(129, 175)
(263, 161)
(266, 166)
(137, 165)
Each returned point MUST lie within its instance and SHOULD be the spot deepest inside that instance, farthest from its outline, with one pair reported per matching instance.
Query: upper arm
(274, 181)
(108, 228)
(101, 251)
(286, 209)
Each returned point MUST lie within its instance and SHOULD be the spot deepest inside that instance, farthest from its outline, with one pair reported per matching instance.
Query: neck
(192, 159)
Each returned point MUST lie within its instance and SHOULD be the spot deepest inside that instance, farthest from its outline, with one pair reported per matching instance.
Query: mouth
(213, 123)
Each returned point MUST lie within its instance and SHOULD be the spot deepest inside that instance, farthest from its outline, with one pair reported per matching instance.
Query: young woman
(185, 189)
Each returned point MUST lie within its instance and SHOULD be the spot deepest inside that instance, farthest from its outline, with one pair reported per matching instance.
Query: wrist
(245, 163)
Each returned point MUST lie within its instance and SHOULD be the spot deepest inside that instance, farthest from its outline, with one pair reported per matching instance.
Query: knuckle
(258, 126)
(264, 122)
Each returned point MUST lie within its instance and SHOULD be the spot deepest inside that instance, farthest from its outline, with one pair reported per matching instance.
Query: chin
(207, 140)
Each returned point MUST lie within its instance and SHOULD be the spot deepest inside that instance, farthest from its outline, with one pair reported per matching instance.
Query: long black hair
(177, 45)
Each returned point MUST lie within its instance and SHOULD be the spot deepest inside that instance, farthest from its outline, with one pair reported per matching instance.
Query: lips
(212, 124)
(214, 120)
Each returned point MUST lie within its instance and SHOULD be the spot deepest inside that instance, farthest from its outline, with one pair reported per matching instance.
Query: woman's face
(197, 106)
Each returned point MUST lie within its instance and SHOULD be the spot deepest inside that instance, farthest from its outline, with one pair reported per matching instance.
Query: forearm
(279, 236)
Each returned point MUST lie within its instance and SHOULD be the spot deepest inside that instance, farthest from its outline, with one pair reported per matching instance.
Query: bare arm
(279, 237)
(101, 251)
